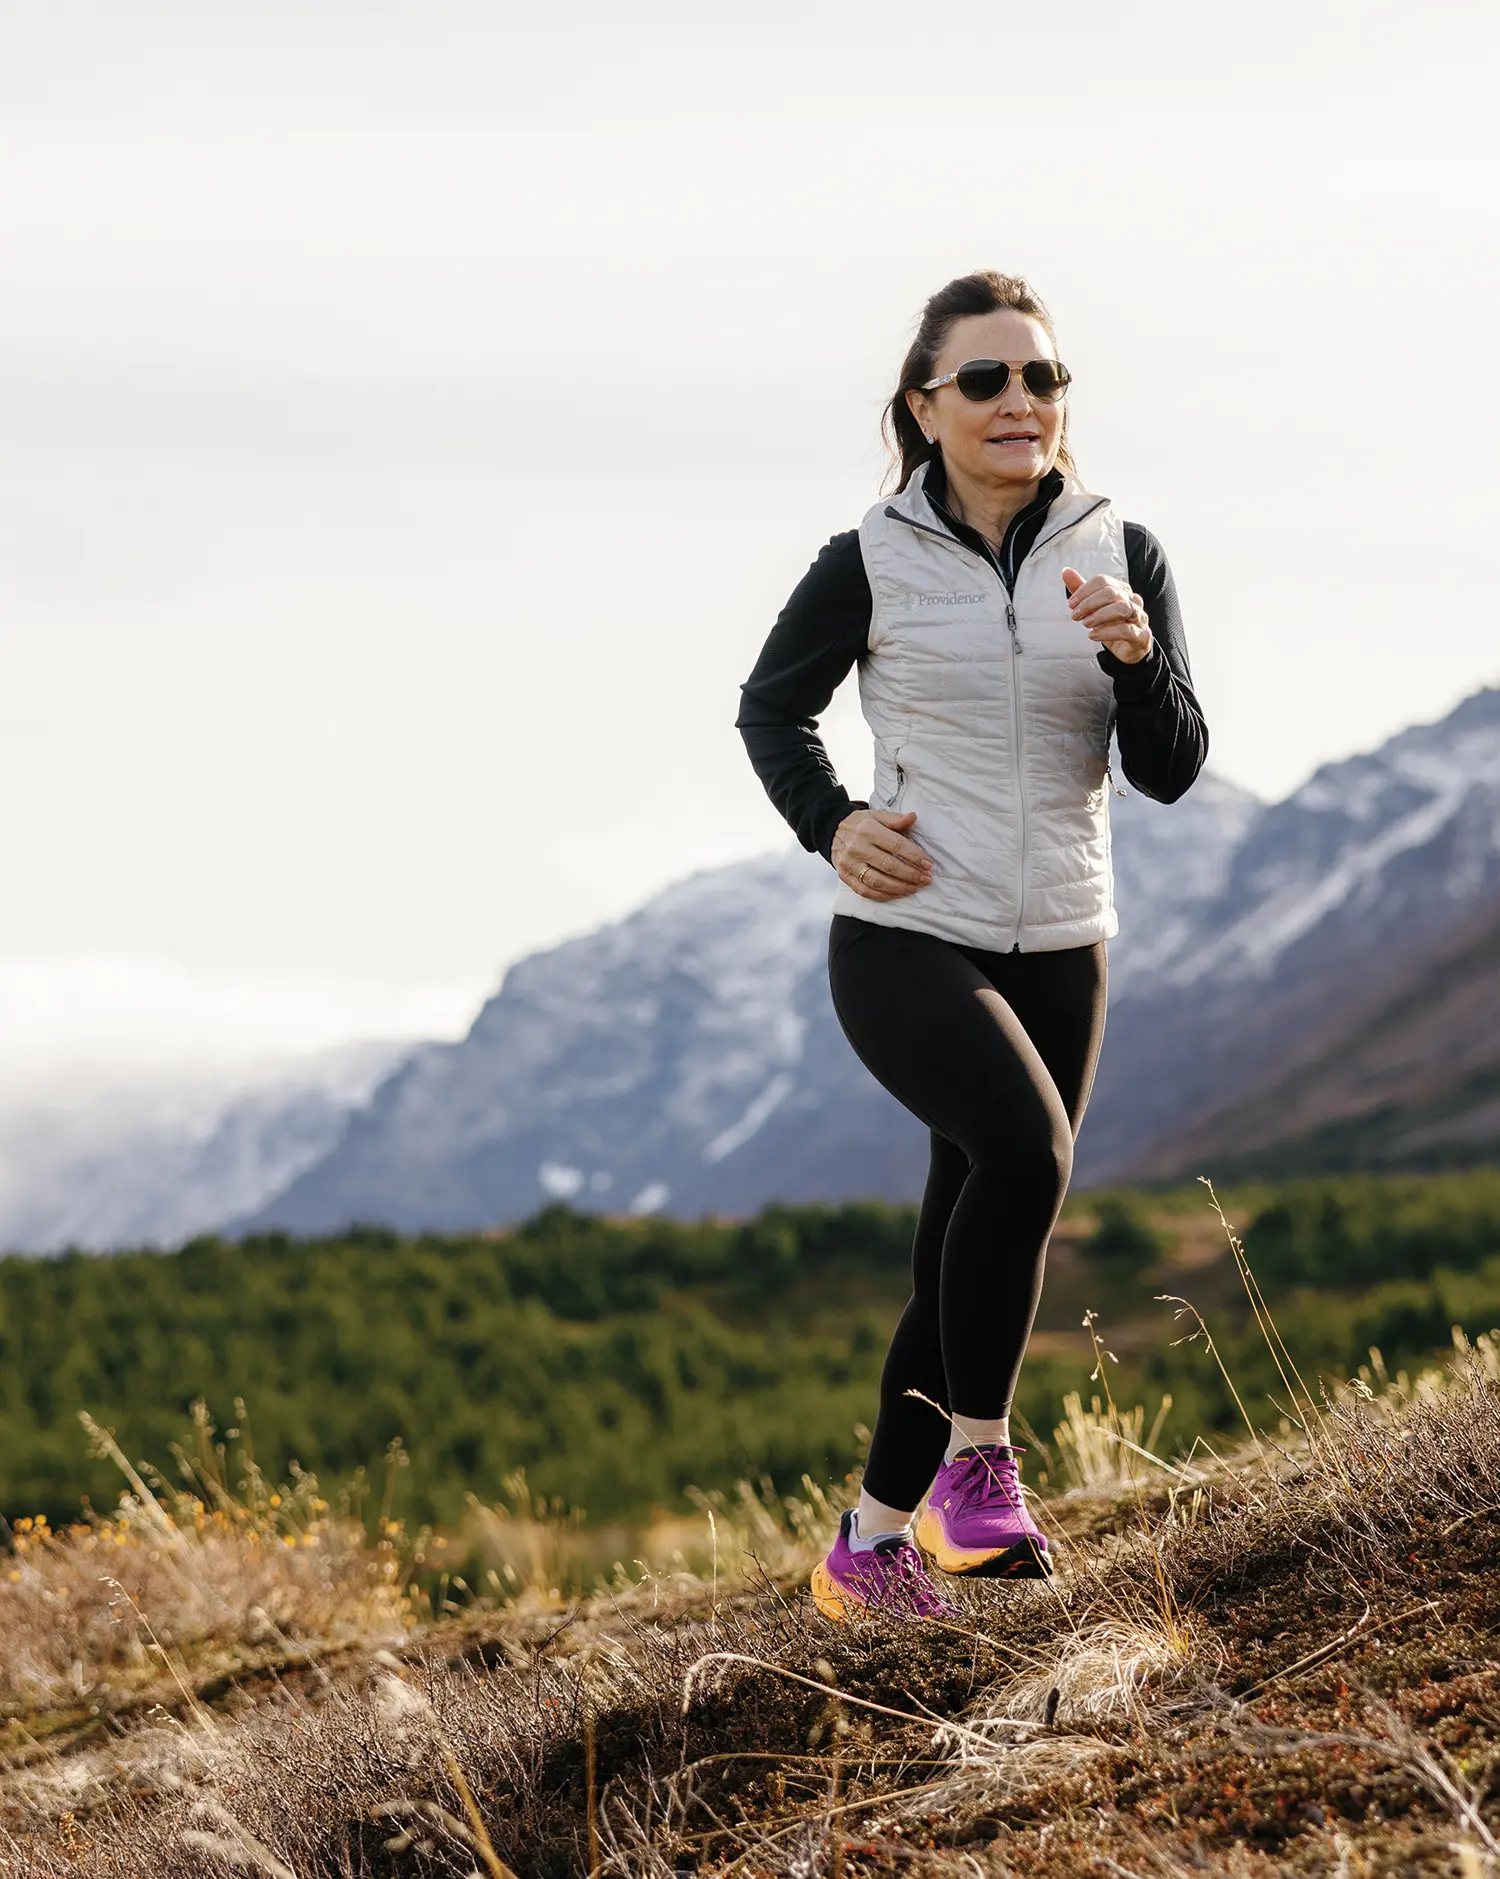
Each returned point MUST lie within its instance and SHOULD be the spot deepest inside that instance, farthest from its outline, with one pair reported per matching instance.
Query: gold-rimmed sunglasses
(983, 379)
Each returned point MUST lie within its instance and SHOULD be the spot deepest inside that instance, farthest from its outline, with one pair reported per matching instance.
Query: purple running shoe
(976, 1520)
(889, 1578)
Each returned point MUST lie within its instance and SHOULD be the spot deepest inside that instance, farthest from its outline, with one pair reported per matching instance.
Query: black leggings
(995, 1052)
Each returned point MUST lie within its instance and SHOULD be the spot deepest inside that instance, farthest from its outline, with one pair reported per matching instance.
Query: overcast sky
(413, 416)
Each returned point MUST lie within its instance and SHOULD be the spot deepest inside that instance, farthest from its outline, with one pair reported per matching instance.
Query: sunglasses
(983, 379)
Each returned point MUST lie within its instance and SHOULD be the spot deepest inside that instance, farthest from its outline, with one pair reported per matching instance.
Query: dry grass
(1279, 1661)
(179, 1585)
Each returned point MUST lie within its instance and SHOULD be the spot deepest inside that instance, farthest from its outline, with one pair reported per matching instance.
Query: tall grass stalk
(1186, 1305)
(1094, 1450)
(478, 1833)
(1280, 1355)
(591, 1776)
(1174, 1625)
(103, 1443)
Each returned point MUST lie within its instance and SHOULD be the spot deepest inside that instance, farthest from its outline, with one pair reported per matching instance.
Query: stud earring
(929, 436)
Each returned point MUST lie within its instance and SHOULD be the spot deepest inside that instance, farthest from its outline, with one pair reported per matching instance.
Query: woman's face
(1009, 440)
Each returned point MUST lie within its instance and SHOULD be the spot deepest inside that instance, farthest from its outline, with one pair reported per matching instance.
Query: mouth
(1013, 437)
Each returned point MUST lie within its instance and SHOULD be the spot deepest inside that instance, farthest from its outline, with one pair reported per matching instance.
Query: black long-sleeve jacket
(823, 630)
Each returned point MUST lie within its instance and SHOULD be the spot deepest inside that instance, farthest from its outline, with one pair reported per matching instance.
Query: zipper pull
(1010, 621)
(1109, 777)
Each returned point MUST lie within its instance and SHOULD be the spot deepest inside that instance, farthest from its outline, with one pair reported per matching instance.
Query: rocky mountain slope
(1308, 983)
(687, 1058)
(1411, 1079)
(682, 1058)
(1336, 906)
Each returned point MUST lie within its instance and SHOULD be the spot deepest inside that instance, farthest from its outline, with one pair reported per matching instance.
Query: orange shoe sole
(1024, 1560)
(833, 1602)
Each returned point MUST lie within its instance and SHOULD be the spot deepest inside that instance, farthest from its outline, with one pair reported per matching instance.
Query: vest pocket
(889, 784)
(1082, 758)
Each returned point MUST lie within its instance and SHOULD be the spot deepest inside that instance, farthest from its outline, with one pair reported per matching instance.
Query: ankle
(976, 1432)
(877, 1520)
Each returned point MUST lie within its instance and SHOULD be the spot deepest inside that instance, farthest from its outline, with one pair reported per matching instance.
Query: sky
(412, 418)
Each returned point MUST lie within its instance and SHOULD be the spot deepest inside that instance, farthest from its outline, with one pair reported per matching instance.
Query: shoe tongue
(989, 1448)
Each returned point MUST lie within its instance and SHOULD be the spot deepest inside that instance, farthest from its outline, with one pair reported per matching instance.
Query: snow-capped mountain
(1332, 901)
(1267, 988)
(688, 1057)
(1410, 1077)
(1401, 838)
(651, 1064)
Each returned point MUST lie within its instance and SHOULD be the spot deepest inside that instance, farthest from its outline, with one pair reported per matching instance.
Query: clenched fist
(1114, 614)
(872, 854)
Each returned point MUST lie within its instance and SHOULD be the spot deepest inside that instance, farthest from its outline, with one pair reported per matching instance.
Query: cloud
(411, 422)
(87, 1025)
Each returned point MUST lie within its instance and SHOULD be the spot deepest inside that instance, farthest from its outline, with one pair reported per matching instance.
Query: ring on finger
(863, 872)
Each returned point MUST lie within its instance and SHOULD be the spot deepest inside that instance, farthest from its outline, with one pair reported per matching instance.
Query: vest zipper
(1009, 584)
(1016, 720)
(1007, 576)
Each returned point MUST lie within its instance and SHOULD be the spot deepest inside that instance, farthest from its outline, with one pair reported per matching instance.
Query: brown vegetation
(1277, 1660)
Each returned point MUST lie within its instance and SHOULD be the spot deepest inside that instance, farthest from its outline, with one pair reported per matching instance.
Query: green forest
(620, 1361)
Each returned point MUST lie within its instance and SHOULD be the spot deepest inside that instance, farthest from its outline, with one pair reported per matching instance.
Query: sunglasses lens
(982, 379)
(1045, 378)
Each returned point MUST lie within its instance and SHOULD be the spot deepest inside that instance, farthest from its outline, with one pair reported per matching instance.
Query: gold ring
(863, 872)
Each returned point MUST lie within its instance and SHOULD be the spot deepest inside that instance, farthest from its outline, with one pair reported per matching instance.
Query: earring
(929, 436)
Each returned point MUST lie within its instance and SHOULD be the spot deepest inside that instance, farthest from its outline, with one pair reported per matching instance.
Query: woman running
(1005, 622)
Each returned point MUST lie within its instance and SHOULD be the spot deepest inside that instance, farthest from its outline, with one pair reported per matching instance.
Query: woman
(1004, 621)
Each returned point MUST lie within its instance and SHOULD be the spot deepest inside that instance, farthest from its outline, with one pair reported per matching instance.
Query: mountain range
(1296, 986)
(1333, 1008)
(1289, 977)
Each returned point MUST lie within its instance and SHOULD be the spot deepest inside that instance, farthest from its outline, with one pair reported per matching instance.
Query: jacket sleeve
(821, 632)
(1158, 720)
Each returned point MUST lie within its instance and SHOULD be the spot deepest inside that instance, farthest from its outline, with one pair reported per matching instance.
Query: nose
(1015, 400)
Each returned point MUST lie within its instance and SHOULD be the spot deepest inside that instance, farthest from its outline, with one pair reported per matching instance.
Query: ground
(1283, 1659)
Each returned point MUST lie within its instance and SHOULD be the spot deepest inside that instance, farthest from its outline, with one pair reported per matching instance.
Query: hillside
(620, 1362)
(1275, 1659)
(1332, 902)
(1411, 1079)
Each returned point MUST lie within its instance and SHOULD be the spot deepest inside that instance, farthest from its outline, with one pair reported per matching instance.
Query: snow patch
(559, 1180)
(728, 1140)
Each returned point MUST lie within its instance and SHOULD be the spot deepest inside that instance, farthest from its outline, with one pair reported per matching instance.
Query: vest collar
(1070, 504)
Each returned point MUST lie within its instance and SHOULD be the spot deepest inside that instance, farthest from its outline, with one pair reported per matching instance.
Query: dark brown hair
(986, 292)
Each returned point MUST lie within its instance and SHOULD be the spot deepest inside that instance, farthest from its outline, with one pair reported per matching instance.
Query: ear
(919, 405)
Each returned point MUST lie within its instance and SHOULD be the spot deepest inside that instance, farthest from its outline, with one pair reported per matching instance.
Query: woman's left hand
(1112, 612)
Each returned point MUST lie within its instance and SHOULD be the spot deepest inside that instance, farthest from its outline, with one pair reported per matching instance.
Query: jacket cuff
(830, 828)
(1141, 680)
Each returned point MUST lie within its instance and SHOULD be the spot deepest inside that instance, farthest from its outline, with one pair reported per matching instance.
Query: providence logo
(913, 599)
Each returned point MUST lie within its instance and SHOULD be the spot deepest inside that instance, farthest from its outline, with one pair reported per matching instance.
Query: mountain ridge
(688, 1058)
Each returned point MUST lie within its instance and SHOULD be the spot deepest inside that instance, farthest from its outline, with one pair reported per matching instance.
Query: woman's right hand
(870, 852)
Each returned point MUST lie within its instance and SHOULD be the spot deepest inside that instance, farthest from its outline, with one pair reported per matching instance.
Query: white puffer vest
(991, 719)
